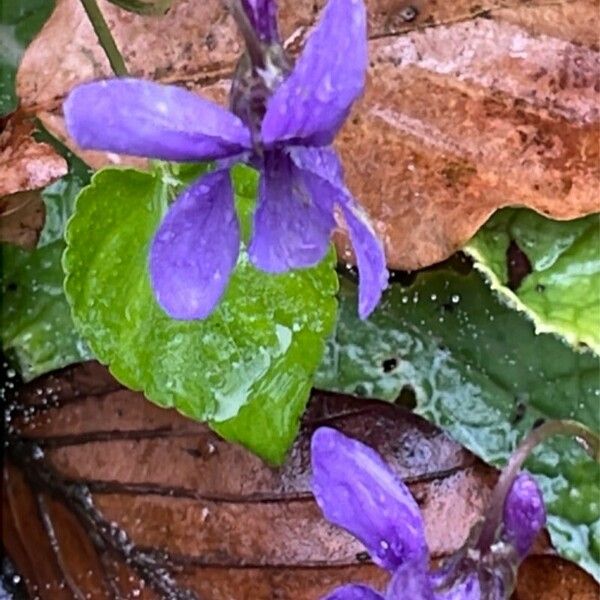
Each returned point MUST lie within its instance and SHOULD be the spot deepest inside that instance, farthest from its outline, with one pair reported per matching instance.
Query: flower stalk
(251, 39)
(107, 41)
(587, 438)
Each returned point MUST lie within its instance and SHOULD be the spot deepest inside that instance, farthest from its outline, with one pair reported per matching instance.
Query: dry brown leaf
(233, 528)
(26, 166)
(24, 163)
(468, 107)
(21, 219)
(458, 121)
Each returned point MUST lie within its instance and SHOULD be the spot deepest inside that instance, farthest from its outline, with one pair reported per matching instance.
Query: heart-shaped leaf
(248, 368)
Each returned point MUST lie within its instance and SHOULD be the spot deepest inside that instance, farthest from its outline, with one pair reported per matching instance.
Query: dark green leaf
(248, 368)
(144, 7)
(20, 20)
(59, 197)
(37, 330)
(478, 369)
(558, 285)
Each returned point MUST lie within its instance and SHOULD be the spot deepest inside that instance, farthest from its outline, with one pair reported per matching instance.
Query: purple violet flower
(283, 122)
(357, 491)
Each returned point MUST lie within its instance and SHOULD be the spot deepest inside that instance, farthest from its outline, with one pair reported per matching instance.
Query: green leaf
(37, 330)
(561, 294)
(37, 327)
(251, 362)
(478, 369)
(144, 7)
(20, 20)
(59, 197)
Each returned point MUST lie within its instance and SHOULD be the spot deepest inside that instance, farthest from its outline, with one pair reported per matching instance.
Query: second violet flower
(359, 492)
(283, 122)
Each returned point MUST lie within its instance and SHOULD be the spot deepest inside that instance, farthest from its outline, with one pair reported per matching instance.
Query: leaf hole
(407, 397)
(389, 364)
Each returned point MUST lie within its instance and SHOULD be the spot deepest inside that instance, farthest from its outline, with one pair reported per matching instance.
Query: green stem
(587, 438)
(105, 38)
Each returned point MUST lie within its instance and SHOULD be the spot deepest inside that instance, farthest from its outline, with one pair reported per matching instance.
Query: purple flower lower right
(358, 491)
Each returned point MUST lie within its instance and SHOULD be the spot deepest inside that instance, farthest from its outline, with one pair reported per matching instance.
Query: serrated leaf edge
(580, 343)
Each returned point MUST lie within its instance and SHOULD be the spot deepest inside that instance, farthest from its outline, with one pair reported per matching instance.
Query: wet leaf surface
(252, 534)
(477, 369)
(59, 197)
(258, 350)
(510, 118)
(37, 330)
(560, 290)
(19, 23)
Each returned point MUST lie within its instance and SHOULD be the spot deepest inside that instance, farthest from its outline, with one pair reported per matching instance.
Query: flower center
(261, 69)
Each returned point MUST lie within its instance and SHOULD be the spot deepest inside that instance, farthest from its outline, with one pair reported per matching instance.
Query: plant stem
(107, 41)
(253, 44)
(587, 438)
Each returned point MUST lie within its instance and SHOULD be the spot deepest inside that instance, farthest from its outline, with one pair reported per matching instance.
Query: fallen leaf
(231, 527)
(198, 45)
(21, 219)
(24, 163)
(25, 167)
(460, 120)
(467, 108)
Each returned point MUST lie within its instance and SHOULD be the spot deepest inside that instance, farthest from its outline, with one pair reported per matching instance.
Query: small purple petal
(263, 17)
(356, 490)
(131, 116)
(354, 592)
(410, 580)
(311, 105)
(196, 248)
(291, 229)
(373, 275)
(524, 514)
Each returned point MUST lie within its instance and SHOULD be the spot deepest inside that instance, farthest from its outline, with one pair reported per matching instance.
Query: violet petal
(196, 248)
(524, 513)
(263, 17)
(354, 591)
(131, 116)
(291, 230)
(311, 105)
(356, 490)
(373, 275)
(410, 580)
(372, 272)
